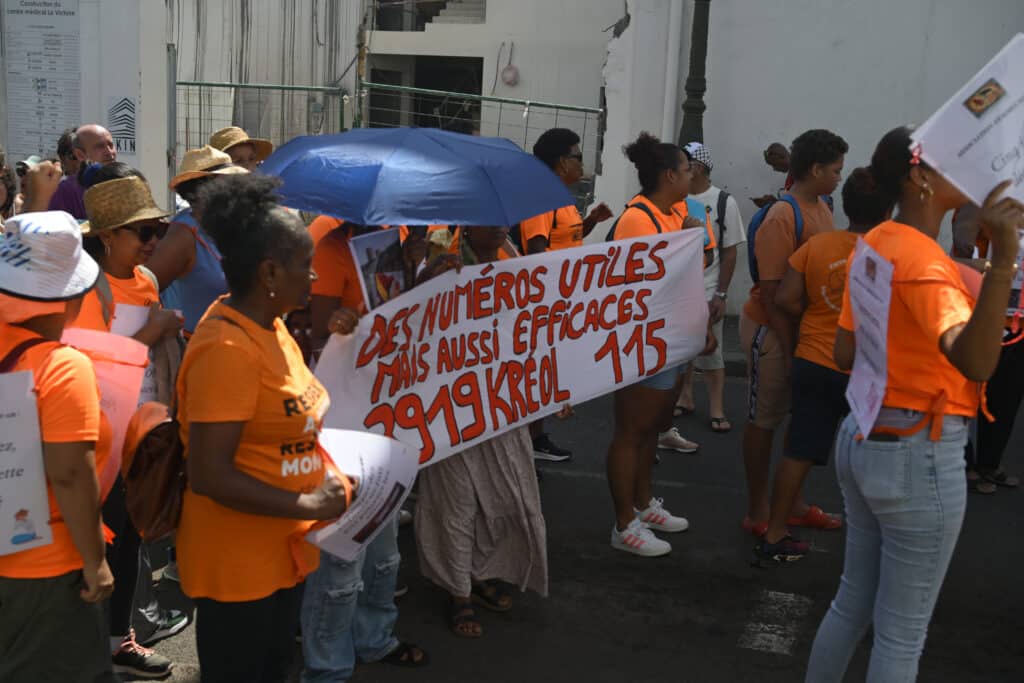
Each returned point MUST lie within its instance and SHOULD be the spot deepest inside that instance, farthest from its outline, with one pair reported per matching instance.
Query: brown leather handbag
(154, 471)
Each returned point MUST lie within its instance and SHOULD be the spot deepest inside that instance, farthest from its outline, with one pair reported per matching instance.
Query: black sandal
(405, 656)
(491, 595)
(717, 422)
(460, 614)
(1001, 478)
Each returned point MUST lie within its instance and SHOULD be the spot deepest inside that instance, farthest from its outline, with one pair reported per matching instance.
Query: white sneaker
(658, 518)
(672, 440)
(638, 539)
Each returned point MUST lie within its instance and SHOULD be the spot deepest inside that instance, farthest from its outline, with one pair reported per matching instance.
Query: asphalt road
(703, 613)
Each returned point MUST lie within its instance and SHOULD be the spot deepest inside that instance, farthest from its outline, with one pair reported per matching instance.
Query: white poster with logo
(470, 355)
(42, 52)
(870, 296)
(24, 505)
(976, 139)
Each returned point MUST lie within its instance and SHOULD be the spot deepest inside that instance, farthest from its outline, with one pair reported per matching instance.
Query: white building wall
(559, 49)
(778, 67)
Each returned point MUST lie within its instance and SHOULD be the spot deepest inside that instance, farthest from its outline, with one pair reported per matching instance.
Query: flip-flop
(679, 411)
(716, 425)
(1001, 478)
(489, 596)
(753, 528)
(816, 518)
(404, 655)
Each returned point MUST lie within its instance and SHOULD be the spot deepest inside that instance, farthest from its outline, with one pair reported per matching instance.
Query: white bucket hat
(41, 258)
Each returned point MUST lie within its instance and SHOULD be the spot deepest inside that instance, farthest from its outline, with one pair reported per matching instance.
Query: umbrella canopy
(415, 176)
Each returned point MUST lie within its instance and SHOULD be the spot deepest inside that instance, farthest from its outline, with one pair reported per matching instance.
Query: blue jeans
(349, 610)
(905, 504)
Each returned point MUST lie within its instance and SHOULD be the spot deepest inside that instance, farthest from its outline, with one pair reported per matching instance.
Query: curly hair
(816, 146)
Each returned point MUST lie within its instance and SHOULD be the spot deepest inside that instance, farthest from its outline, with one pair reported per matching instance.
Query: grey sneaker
(141, 662)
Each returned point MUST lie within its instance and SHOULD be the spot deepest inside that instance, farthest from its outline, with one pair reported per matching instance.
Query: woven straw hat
(203, 162)
(117, 203)
(226, 138)
(41, 258)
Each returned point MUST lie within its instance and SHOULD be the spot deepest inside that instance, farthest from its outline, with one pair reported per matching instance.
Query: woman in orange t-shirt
(644, 410)
(903, 482)
(250, 412)
(51, 593)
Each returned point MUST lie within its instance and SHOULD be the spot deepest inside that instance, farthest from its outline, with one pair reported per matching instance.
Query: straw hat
(226, 138)
(203, 162)
(41, 258)
(117, 203)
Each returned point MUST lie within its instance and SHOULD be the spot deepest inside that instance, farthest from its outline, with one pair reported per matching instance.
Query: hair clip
(915, 155)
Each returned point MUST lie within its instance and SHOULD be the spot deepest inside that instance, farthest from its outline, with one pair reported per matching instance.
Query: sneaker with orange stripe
(639, 540)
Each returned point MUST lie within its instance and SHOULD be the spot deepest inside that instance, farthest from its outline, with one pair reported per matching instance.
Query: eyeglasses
(147, 232)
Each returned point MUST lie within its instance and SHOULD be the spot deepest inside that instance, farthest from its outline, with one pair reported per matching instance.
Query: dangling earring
(926, 189)
(272, 294)
(106, 248)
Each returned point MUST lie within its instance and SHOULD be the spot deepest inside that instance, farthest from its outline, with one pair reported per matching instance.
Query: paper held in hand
(385, 469)
(976, 139)
(870, 286)
(24, 506)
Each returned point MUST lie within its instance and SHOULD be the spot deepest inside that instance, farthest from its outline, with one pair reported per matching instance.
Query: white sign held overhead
(976, 139)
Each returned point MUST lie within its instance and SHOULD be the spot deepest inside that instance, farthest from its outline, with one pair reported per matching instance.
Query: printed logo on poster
(121, 123)
(985, 97)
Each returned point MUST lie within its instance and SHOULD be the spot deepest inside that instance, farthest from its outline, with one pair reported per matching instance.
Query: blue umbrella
(414, 176)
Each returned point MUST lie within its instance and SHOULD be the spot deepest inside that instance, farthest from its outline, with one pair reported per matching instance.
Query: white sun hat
(41, 258)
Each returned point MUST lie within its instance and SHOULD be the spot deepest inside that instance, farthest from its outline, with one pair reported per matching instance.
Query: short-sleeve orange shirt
(822, 261)
(137, 290)
(928, 298)
(562, 229)
(68, 400)
(244, 373)
(775, 243)
(336, 272)
(635, 222)
(321, 226)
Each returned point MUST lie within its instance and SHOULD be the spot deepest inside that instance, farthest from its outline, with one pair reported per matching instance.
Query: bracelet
(989, 268)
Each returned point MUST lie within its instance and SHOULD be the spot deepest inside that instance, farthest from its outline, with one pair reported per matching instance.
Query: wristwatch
(721, 295)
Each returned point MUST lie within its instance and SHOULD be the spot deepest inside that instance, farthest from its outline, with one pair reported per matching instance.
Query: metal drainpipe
(693, 108)
(668, 112)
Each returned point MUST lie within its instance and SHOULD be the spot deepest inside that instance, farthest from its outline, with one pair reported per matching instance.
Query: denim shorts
(664, 380)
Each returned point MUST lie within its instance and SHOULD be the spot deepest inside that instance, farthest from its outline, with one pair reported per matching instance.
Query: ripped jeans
(349, 611)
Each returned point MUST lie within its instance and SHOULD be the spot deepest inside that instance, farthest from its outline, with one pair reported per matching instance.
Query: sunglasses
(578, 156)
(147, 232)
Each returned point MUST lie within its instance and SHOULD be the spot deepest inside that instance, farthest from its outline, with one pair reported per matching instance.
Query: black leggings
(123, 558)
(1003, 395)
(248, 642)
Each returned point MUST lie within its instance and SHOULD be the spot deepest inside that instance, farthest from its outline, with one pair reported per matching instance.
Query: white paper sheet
(386, 470)
(870, 286)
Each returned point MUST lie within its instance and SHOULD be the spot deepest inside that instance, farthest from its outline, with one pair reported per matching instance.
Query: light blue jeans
(905, 504)
(349, 611)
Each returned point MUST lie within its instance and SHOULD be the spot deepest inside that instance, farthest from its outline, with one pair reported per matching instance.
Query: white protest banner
(385, 469)
(24, 505)
(467, 356)
(120, 364)
(870, 286)
(976, 139)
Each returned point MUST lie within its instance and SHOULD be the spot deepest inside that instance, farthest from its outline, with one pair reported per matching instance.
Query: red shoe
(758, 529)
(816, 518)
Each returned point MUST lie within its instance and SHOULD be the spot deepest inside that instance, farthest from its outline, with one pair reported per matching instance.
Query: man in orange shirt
(559, 148)
(767, 334)
(812, 292)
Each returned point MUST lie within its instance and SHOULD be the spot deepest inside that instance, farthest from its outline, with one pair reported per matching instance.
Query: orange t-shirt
(68, 400)
(321, 226)
(928, 298)
(776, 242)
(244, 373)
(822, 260)
(563, 228)
(137, 290)
(336, 271)
(635, 222)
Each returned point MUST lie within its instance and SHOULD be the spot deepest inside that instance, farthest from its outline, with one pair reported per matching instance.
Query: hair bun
(642, 149)
(230, 203)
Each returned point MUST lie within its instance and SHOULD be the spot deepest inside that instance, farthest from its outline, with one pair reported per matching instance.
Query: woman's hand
(440, 264)
(99, 582)
(566, 412)
(1001, 219)
(328, 501)
(168, 322)
(343, 321)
